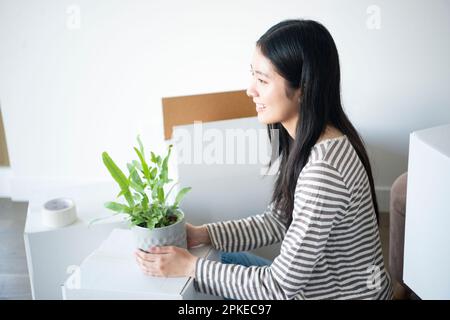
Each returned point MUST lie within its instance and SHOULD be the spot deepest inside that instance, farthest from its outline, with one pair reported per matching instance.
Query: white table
(111, 272)
(51, 251)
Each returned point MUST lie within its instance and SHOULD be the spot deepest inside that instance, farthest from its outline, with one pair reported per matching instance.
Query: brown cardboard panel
(4, 159)
(206, 108)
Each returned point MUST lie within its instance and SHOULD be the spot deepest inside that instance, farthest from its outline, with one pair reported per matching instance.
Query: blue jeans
(244, 259)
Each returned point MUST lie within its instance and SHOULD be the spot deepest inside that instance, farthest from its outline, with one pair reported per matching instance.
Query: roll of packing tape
(59, 212)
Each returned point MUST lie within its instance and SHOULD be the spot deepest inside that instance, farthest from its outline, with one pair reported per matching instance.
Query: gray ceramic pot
(173, 235)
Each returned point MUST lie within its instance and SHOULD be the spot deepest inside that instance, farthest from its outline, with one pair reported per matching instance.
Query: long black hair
(305, 55)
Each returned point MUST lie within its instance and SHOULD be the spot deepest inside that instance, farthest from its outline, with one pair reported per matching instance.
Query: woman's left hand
(169, 261)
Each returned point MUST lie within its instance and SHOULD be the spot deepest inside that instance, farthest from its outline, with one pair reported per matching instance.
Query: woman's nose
(251, 92)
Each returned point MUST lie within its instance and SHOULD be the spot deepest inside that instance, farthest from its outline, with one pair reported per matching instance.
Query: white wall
(68, 94)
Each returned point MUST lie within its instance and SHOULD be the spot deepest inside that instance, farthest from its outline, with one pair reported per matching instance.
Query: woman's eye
(258, 79)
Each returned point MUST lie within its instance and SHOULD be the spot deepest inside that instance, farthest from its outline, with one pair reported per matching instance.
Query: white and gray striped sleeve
(248, 233)
(320, 195)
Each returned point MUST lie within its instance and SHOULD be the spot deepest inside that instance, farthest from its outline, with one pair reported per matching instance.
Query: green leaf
(166, 159)
(134, 175)
(137, 165)
(153, 157)
(141, 147)
(181, 195)
(164, 169)
(130, 167)
(144, 202)
(120, 194)
(137, 210)
(153, 173)
(144, 164)
(117, 207)
(151, 223)
(155, 192)
(115, 172)
(118, 176)
(137, 197)
(136, 186)
(161, 195)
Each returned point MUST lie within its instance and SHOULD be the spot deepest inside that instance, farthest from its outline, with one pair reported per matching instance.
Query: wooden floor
(14, 280)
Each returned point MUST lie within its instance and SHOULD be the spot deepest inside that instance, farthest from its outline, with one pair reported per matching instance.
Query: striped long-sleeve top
(331, 250)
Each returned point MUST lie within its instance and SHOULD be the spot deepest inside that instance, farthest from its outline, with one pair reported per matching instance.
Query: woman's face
(268, 90)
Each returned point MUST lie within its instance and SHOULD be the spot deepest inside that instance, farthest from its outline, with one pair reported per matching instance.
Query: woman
(323, 208)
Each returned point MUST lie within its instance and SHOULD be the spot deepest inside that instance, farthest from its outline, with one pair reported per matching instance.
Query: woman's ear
(298, 95)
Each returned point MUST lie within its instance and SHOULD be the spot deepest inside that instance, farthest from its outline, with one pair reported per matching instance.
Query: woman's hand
(196, 235)
(167, 261)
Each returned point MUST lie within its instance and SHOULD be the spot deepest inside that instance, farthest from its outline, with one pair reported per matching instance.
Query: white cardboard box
(111, 272)
(236, 186)
(52, 251)
(427, 223)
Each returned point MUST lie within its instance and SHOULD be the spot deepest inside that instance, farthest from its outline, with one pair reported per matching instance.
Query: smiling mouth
(260, 107)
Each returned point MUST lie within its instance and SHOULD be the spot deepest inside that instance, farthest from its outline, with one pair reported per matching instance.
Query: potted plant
(155, 221)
